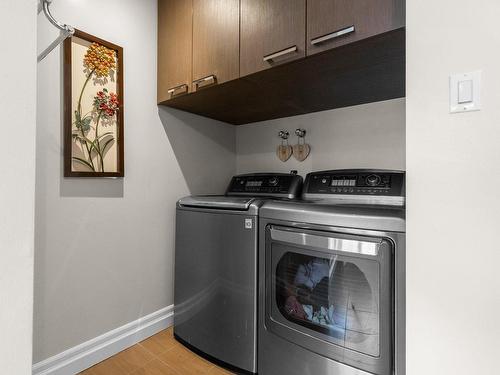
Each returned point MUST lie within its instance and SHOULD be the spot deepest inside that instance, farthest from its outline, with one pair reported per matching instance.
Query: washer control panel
(269, 184)
(355, 182)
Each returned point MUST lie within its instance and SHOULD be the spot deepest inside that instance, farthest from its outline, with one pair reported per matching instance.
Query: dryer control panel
(363, 185)
(275, 185)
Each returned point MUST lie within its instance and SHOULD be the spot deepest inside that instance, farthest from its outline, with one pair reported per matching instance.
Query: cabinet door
(272, 32)
(331, 23)
(175, 37)
(216, 41)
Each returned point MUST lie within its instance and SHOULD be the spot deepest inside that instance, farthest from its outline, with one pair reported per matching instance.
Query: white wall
(17, 183)
(365, 136)
(453, 214)
(104, 247)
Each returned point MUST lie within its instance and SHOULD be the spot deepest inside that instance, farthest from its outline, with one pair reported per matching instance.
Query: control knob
(273, 181)
(373, 180)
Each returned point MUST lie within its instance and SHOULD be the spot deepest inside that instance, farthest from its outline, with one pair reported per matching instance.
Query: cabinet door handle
(333, 35)
(284, 52)
(177, 90)
(205, 81)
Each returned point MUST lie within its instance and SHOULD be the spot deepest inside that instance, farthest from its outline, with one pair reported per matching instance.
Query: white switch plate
(465, 92)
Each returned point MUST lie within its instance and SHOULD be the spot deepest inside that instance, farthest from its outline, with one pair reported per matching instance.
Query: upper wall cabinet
(216, 42)
(175, 23)
(332, 23)
(272, 33)
(242, 61)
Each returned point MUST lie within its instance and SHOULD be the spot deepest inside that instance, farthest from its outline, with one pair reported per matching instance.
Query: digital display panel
(343, 182)
(253, 183)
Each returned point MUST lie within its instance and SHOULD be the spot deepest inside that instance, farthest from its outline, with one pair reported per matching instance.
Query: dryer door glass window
(329, 296)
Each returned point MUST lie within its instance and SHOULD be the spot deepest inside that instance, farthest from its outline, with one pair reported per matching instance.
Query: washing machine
(215, 292)
(331, 277)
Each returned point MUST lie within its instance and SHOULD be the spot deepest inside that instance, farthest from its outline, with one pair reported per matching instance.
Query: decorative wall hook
(301, 150)
(65, 31)
(284, 134)
(284, 150)
(301, 133)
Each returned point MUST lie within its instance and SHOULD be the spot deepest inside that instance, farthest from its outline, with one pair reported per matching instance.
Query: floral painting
(94, 107)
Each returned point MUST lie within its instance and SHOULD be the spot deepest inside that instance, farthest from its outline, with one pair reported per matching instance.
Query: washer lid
(217, 202)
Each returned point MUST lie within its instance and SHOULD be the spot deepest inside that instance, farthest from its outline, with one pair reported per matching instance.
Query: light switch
(465, 92)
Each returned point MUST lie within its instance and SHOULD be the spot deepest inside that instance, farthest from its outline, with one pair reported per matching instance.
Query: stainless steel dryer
(331, 277)
(216, 268)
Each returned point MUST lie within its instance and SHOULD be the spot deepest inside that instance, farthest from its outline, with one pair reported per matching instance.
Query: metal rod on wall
(66, 30)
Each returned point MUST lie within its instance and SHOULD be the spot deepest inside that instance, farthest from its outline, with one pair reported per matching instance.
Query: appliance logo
(248, 223)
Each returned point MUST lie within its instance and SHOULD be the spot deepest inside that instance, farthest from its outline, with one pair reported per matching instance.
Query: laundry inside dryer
(335, 297)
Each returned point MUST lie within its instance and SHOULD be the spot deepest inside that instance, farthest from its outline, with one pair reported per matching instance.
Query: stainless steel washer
(216, 268)
(331, 277)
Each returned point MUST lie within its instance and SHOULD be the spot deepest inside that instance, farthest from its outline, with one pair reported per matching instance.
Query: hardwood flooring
(160, 354)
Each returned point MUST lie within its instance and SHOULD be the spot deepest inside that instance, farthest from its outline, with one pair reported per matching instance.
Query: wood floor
(161, 354)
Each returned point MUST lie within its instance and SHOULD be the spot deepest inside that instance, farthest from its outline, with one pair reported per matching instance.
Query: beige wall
(17, 183)
(104, 247)
(453, 213)
(365, 136)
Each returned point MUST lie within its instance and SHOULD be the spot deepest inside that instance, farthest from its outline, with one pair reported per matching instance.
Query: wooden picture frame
(99, 104)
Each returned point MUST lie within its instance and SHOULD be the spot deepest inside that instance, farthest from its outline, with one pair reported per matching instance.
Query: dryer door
(332, 294)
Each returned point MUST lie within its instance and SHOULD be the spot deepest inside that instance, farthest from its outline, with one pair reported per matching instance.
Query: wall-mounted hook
(65, 30)
(301, 133)
(284, 134)
(284, 150)
(301, 150)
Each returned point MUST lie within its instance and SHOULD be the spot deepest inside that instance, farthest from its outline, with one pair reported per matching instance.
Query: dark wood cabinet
(242, 61)
(216, 54)
(174, 48)
(272, 33)
(332, 23)
(366, 71)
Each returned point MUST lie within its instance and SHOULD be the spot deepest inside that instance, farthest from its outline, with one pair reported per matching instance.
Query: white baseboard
(83, 356)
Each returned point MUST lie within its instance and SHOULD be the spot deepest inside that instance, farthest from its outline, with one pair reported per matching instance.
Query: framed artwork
(93, 107)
